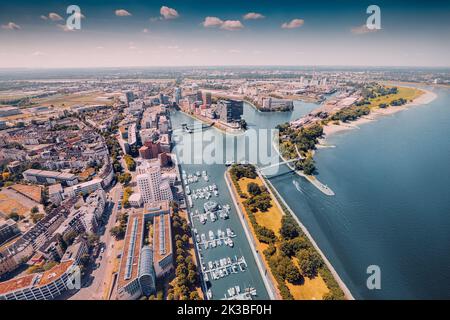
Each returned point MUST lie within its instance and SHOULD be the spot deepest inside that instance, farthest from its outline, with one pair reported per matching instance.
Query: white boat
(212, 216)
(202, 218)
(209, 294)
(238, 289)
(211, 235)
(197, 173)
(229, 232)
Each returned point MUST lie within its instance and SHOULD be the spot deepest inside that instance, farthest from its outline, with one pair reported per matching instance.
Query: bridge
(184, 127)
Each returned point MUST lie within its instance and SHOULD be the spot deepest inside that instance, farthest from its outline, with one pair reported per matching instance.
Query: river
(392, 202)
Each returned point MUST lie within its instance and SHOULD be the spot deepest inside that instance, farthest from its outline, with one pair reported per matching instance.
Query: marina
(215, 239)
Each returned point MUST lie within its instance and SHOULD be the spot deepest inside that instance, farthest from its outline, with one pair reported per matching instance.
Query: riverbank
(313, 180)
(375, 113)
(270, 236)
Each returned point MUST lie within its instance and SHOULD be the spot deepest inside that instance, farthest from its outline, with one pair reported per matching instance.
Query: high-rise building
(129, 97)
(230, 110)
(177, 95)
(152, 187)
(207, 98)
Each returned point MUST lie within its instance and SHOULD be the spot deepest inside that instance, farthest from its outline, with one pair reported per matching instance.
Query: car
(102, 250)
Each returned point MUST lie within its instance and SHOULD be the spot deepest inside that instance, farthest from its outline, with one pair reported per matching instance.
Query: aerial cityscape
(224, 151)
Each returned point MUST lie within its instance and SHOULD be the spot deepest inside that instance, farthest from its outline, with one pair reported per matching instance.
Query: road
(100, 278)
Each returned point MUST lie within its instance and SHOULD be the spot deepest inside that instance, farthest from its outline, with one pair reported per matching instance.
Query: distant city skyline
(208, 33)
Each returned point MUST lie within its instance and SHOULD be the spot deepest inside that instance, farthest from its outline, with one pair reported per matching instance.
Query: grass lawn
(69, 100)
(408, 94)
(311, 289)
(270, 219)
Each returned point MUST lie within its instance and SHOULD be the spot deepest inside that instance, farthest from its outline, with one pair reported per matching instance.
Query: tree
(14, 215)
(289, 229)
(117, 232)
(308, 165)
(34, 210)
(293, 275)
(194, 296)
(253, 189)
(309, 262)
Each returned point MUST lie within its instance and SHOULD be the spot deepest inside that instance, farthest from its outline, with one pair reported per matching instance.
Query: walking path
(270, 286)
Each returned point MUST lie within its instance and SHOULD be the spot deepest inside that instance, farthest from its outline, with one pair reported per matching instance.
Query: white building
(135, 200)
(152, 187)
(85, 187)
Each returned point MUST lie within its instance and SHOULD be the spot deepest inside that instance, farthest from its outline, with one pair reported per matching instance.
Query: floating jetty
(213, 240)
(234, 293)
(224, 267)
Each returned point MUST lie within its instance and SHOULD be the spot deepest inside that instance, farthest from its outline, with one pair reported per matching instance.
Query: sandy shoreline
(375, 114)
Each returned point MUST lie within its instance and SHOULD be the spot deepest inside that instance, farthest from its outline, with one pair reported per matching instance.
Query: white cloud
(362, 30)
(54, 16)
(212, 22)
(44, 17)
(122, 13)
(232, 25)
(145, 30)
(253, 16)
(168, 13)
(11, 26)
(234, 51)
(295, 23)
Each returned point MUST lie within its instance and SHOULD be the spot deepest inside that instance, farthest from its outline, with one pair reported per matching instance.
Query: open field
(270, 219)
(8, 205)
(406, 93)
(30, 191)
(69, 100)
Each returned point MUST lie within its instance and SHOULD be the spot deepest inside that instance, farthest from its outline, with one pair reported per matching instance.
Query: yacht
(211, 235)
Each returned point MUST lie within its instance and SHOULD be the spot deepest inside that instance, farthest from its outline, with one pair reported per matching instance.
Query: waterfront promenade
(269, 282)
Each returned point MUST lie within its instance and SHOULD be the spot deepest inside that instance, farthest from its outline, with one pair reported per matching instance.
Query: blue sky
(321, 33)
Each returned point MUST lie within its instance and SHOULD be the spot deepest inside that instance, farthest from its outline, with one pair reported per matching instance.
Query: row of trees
(350, 113)
(184, 286)
(118, 231)
(131, 164)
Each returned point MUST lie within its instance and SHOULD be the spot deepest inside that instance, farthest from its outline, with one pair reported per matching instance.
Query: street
(99, 279)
